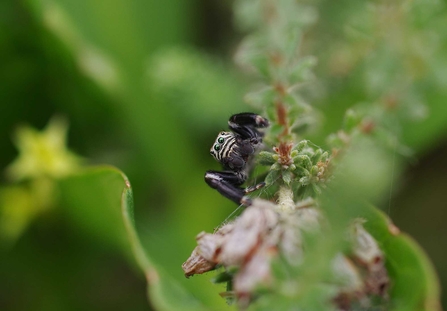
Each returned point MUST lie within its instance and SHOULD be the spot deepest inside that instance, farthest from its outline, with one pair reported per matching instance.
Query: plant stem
(285, 199)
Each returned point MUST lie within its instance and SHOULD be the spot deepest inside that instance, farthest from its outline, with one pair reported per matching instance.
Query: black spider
(234, 150)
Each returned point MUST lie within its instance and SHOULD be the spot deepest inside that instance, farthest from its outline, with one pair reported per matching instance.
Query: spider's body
(234, 150)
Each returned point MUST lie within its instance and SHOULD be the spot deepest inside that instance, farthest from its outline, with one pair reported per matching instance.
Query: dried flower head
(267, 232)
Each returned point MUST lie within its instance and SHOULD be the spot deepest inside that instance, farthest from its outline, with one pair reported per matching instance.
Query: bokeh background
(146, 85)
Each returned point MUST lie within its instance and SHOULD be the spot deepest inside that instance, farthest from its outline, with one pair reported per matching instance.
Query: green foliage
(360, 163)
(109, 190)
(187, 79)
(406, 263)
(138, 96)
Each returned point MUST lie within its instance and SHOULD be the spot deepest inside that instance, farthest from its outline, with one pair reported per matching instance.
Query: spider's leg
(250, 119)
(226, 183)
(254, 187)
(246, 124)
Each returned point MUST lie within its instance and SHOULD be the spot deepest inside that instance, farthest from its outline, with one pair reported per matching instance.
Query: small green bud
(324, 156)
(266, 158)
(301, 171)
(317, 155)
(301, 145)
(303, 160)
(314, 170)
(306, 161)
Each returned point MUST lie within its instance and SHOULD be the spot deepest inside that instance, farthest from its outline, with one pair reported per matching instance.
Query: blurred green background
(146, 85)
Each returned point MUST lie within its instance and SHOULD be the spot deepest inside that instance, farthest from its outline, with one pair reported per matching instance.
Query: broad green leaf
(361, 177)
(100, 202)
(414, 284)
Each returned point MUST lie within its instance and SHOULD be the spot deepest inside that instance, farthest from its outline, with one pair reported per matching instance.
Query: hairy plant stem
(285, 201)
(285, 194)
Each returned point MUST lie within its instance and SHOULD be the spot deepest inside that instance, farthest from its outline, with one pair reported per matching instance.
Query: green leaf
(272, 177)
(100, 201)
(287, 176)
(413, 281)
(266, 158)
(249, 55)
(414, 284)
(301, 71)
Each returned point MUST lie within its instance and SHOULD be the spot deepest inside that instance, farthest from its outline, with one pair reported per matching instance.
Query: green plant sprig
(272, 52)
(312, 249)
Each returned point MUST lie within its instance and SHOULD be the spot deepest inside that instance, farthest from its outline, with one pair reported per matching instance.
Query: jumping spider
(234, 150)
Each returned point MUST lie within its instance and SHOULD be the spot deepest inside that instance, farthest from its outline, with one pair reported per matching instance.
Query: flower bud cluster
(304, 166)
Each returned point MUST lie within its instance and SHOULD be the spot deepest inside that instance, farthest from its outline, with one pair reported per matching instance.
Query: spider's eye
(221, 140)
(216, 147)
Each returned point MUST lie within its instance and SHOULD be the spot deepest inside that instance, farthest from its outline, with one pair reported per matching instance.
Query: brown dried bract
(284, 152)
(196, 264)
